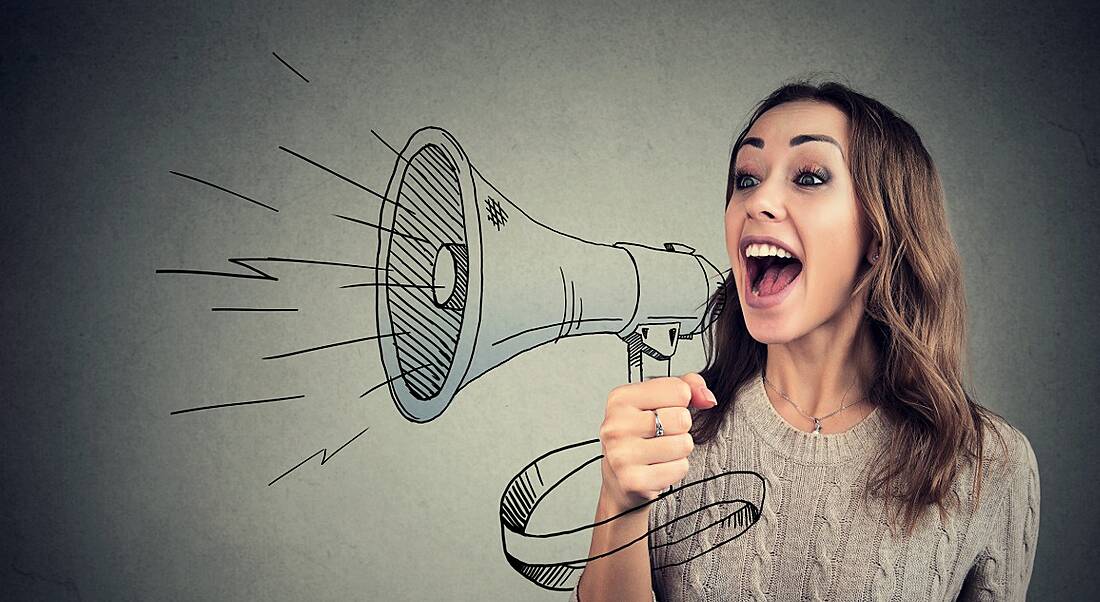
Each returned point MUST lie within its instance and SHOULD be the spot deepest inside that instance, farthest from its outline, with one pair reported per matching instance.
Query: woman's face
(793, 185)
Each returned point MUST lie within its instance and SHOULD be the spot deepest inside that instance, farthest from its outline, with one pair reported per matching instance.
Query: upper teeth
(759, 250)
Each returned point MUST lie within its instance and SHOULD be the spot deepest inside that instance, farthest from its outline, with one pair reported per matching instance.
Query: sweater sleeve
(1002, 570)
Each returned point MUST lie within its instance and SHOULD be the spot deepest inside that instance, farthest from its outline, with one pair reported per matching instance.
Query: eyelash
(821, 173)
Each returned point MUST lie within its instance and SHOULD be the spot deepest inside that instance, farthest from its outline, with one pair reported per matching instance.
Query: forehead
(779, 124)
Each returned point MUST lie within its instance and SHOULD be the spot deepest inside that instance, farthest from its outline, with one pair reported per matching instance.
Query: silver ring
(660, 430)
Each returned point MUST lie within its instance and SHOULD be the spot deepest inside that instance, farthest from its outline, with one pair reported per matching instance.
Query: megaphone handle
(643, 366)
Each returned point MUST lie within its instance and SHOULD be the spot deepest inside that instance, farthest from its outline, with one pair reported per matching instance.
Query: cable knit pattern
(883, 582)
(824, 540)
(764, 535)
(815, 540)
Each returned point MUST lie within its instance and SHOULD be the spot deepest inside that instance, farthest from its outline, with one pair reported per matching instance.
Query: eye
(740, 179)
(806, 177)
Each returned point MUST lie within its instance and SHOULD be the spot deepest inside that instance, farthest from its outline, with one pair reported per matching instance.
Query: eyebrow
(799, 139)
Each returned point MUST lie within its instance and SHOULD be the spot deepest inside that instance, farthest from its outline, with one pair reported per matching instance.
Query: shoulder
(1007, 448)
(1010, 467)
(1007, 527)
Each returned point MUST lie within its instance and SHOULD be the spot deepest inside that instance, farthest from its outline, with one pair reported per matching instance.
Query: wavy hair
(915, 307)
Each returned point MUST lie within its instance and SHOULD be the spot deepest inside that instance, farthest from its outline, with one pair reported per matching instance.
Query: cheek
(734, 224)
(835, 251)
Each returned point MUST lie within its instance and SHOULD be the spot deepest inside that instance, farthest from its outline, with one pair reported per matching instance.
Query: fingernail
(710, 397)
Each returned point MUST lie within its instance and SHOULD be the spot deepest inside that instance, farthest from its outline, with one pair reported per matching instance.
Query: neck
(823, 371)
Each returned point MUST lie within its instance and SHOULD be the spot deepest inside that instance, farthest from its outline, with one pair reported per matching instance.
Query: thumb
(701, 397)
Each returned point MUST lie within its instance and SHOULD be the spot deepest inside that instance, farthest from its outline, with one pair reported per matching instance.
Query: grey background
(610, 122)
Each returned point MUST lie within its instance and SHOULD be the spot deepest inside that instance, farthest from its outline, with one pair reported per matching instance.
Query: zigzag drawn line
(325, 457)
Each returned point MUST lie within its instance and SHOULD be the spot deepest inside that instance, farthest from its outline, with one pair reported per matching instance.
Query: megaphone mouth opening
(449, 276)
(428, 267)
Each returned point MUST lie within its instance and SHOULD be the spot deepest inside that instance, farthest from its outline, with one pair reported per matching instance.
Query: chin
(771, 337)
(772, 331)
(771, 326)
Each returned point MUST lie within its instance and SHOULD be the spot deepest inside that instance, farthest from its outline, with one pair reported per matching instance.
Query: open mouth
(770, 275)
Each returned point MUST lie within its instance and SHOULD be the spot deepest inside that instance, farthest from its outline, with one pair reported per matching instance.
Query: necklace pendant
(817, 426)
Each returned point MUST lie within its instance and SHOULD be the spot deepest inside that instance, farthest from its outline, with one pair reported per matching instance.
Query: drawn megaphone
(471, 281)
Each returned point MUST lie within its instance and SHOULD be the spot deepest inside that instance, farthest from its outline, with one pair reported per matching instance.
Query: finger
(675, 420)
(656, 477)
(701, 396)
(662, 392)
(662, 449)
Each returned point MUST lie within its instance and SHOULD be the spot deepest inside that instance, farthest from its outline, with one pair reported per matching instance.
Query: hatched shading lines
(422, 257)
(442, 225)
(432, 180)
(442, 173)
(423, 346)
(407, 269)
(439, 228)
(433, 339)
(415, 318)
(443, 159)
(448, 181)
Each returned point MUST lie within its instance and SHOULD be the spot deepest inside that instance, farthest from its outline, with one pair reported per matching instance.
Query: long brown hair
(915, 307)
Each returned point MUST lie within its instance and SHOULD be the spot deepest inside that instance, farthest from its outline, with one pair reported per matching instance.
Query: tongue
(777, 276)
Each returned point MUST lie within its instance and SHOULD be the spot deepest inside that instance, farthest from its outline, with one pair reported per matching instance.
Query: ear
(873, 252)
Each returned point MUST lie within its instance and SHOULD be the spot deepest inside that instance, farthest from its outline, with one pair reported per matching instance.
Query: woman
(834, 378)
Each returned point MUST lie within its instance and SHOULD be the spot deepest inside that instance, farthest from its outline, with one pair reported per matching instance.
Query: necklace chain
(817, 420)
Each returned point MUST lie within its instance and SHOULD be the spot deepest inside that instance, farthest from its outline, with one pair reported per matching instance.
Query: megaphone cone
(469, 280)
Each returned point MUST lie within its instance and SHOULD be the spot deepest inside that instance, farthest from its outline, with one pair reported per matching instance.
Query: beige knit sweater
(815, 541)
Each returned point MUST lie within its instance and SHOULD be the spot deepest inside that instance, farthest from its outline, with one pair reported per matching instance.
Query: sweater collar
(754, 407)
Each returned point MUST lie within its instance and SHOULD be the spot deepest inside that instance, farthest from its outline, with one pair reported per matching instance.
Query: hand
(637, 466)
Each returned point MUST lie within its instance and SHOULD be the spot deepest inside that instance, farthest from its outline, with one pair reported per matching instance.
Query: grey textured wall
(610, 122)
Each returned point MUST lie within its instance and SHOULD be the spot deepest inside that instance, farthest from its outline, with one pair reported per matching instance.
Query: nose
(766, 202)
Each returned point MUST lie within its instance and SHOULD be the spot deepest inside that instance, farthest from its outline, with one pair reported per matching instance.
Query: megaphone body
(470, 280)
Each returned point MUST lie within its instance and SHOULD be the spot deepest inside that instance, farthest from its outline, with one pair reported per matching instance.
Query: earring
(874, 258)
